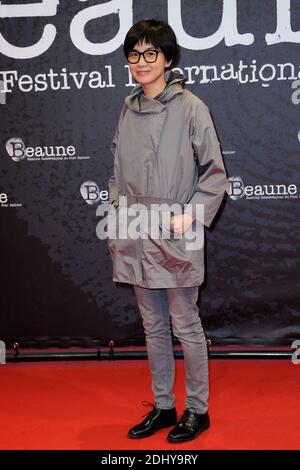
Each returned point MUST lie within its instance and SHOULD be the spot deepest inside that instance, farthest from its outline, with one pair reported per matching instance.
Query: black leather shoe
(189, 426)
(155, 420)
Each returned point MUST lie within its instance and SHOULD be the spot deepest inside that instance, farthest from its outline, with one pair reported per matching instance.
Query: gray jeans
(157, 307)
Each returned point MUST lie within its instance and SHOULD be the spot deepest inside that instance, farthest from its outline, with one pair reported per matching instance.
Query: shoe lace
(185, 418)
(148, 404)
(184, 415)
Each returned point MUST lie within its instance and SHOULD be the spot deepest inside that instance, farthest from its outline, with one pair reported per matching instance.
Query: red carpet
(254, 404)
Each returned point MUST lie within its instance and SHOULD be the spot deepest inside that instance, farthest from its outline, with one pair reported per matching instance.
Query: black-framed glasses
(150, 56)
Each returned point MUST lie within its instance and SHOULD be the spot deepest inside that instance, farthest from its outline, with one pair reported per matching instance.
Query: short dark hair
(157, 32)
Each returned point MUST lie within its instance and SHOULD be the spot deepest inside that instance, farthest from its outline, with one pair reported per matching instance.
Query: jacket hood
(140, 103)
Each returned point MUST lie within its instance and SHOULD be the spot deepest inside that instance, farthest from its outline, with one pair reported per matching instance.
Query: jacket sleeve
(113, 190)
(211, 179)
(116, 134)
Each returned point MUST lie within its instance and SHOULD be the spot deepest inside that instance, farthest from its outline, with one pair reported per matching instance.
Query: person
(166, 152)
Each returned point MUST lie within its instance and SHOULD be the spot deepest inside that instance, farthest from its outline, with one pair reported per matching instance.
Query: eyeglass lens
(149, 56)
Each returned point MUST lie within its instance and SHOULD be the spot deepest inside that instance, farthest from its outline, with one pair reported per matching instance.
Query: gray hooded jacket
(165, 151)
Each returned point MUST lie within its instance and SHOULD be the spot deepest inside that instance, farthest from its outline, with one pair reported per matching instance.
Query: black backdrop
(63, 79)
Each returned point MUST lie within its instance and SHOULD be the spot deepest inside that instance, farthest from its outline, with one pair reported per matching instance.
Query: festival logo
(92, 194)
(18, 151)
(237, 189)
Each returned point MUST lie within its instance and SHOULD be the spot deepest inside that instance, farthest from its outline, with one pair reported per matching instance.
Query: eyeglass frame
(142, 53)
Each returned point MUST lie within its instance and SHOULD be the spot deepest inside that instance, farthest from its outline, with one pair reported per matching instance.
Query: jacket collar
(140, 103)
